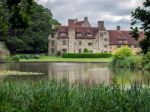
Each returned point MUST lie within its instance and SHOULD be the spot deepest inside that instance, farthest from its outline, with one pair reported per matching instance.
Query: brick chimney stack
(118, 28)
(85, 18)
(101, 25)
(71, 23)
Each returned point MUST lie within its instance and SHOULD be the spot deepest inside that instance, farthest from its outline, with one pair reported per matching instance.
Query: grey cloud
(95, 10)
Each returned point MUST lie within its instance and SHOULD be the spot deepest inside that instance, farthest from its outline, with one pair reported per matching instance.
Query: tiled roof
(83, 30)
(79, 23)
(115, 35)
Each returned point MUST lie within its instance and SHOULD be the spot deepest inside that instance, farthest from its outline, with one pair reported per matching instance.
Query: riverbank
(61, 59)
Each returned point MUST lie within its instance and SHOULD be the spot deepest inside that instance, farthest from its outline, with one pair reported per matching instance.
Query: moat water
(84, 73)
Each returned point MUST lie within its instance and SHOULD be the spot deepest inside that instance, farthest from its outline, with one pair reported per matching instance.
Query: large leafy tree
(15, 15)
(141, 16)
(28, 27)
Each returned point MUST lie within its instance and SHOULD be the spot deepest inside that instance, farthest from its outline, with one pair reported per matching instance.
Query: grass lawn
(60, 59)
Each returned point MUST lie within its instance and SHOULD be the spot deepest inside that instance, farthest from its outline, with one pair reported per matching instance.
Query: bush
(146, 61)
(59, 53)
(122, 58)
(87, 55)
(14, 58)
(85, 50)
(128, 62)
(29, 56)
(123, 52)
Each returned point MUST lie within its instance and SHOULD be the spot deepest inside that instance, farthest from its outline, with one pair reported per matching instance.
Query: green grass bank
(44, 58)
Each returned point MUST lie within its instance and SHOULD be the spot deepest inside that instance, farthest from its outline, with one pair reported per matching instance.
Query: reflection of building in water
(79, 73)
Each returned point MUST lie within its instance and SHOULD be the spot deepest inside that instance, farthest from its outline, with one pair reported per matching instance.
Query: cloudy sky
(113, 12)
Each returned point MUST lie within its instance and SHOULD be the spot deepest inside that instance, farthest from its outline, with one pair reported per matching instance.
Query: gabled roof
(83, 30)
(115, 35)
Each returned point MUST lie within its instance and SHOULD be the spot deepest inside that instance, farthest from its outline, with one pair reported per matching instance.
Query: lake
(84, 73)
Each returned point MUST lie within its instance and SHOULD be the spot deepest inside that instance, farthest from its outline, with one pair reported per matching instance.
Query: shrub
(14, 58)
(59, 53)
(36, 57)
(85, 50)
(123, 52)
(146, 61)
(87, 55)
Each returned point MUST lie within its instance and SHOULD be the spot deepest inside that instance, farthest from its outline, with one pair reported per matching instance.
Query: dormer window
(62, 34)
(79, 34)
(119, 41)
(88, 34)
(125, 41)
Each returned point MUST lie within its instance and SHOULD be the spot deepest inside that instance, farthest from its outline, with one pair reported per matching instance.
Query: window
(119, 41)
(62, 34)
(52, 42)
(130, 46)
(118, 46)
(105, 46)
(64, 50)
(52, 51)
(125, 41)
(80, 50)
(105, 39)
(89, 35)
(103, 33)
(64, 42)
(80, 43)
(90, 44)
(79, 34)
(52, 36)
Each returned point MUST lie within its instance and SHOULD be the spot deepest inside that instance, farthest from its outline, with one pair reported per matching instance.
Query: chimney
(85, 18)
(76, 20)
(71, 23)
(101, 25)
(118, 28)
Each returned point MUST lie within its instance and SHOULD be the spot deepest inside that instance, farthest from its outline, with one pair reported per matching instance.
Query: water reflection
(80, 73)
(90, 73)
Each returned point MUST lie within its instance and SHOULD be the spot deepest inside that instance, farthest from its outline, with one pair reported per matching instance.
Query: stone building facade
(79, 35)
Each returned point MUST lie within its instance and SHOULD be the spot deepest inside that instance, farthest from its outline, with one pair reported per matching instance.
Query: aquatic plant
(9, 72)
(51, 96)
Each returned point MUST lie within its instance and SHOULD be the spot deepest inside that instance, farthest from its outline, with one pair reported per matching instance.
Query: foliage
(27, 28)
(51, 96)
(123, 53)
(18, 15)
(127, 63)
(141, 16)
(14, 43)
(146, 61)
(123, 58)
(87, 55)
(85, 50)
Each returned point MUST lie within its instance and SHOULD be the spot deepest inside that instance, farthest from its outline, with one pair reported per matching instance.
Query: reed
(52, 96)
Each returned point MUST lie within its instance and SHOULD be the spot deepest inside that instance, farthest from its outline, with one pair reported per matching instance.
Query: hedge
(87, 55)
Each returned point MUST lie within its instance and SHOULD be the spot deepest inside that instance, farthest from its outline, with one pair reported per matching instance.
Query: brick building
(79, 35)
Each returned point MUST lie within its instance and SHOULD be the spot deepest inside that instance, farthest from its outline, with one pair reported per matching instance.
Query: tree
(28, 23)
(141, 16)
(15, 16)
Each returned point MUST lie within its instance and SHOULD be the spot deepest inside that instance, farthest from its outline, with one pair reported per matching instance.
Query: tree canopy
(26, 26)
(141, 17)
